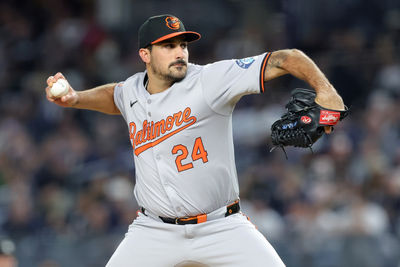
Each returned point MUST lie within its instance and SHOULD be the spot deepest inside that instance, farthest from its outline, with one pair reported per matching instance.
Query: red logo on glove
(328, 117)
(305, 119)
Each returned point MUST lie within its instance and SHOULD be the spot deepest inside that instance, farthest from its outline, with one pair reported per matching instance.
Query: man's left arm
(298, 64)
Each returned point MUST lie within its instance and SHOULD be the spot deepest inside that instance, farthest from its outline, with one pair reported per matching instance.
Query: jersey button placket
(164, 180)
(148, 107)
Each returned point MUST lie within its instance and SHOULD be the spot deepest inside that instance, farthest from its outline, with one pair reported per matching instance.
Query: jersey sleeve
(225, 82)
(119, 98)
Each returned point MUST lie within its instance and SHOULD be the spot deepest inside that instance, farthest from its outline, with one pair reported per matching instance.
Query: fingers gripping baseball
(60, 92)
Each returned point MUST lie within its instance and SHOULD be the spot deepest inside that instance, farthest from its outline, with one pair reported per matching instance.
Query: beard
(176, 71)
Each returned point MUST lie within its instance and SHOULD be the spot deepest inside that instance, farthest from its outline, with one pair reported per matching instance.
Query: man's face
(168, 59)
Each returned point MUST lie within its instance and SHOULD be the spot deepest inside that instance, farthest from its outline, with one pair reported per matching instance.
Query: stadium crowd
(67, 176)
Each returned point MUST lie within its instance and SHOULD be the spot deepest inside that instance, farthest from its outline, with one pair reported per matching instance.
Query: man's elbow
(292, 57)
(280, 57)
(294, 53)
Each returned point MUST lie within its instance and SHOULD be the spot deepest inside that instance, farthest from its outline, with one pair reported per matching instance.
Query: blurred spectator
(7, 248)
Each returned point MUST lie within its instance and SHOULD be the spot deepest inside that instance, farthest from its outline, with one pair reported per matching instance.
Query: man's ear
(144, 54)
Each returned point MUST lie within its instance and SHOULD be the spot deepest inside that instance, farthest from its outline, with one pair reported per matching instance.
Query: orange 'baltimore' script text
(147, 136)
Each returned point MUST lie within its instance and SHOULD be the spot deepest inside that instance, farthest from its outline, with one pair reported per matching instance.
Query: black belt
(230, 209)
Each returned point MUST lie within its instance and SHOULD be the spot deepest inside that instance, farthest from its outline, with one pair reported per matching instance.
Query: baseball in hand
(59, 88)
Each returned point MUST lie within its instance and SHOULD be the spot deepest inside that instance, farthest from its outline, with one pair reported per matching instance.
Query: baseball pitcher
(179, 121)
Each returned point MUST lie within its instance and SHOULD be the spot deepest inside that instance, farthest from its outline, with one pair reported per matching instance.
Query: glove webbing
(293, 134)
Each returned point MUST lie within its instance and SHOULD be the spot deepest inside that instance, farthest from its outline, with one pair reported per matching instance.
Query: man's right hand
(68, 100)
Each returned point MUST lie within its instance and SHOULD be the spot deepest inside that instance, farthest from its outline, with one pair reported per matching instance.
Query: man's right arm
(100, 98)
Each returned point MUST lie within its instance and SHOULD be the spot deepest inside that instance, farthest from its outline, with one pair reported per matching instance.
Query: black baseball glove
(303, 123)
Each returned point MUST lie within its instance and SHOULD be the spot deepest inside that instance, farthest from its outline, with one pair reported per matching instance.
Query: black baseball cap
(159, 28)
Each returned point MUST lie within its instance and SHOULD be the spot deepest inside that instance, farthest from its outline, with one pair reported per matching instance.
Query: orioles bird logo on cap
(172, 23)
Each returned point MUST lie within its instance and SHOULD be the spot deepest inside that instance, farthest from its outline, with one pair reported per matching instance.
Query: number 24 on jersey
(198, 152)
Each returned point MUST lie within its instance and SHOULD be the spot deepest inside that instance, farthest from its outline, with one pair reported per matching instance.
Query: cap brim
(189, 36)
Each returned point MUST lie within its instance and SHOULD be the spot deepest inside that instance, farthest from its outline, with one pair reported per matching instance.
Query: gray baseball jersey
(182, 137)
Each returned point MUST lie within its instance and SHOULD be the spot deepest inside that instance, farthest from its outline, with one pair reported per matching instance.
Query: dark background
(67, 176)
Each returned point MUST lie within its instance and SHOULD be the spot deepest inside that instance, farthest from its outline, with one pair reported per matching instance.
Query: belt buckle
(201, 218)
(185, 220)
